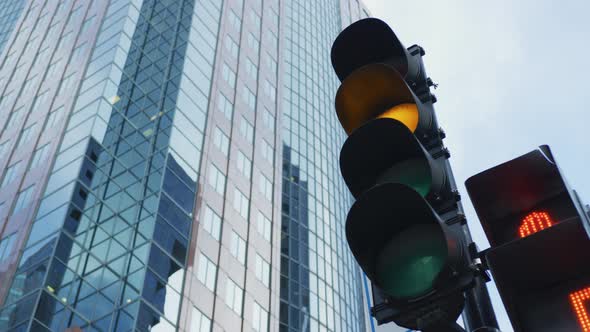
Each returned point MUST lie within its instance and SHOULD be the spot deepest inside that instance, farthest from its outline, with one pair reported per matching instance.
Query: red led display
(577, 300)
(534, 222)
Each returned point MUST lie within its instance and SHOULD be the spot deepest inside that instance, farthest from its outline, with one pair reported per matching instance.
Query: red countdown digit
(534, 222)
(577, 300)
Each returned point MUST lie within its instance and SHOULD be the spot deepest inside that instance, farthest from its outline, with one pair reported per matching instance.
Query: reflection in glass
(116, 258)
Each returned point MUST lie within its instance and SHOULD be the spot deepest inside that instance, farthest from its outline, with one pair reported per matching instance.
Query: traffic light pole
(454, 327)
(478, 315)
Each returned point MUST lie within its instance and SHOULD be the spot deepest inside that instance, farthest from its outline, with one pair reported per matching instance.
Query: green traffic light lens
(414, 173)
(410, 262)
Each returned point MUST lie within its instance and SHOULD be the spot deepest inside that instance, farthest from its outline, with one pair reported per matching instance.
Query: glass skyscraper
(321, 289)
(171, 165)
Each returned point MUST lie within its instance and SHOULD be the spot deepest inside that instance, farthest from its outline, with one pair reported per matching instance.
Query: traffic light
(405, 228)
(540, 249)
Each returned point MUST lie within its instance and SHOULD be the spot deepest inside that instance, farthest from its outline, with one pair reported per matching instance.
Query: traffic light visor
(367, 41)
(376, 90)
(399, 241)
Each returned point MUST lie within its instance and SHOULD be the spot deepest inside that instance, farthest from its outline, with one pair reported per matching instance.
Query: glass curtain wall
(108, 247)
(321, 286)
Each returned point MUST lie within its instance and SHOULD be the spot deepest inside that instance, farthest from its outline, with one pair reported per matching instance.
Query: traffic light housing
(405, 228)
(540, 249)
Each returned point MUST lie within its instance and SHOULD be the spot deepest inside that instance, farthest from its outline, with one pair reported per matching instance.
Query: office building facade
(321, 288)
(170, 165)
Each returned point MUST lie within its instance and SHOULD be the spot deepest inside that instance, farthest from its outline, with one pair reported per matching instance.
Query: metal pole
(453, 327)
(478, 314)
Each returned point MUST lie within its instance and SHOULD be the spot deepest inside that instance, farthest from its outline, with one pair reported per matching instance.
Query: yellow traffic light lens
(404, 113)
(370, 91)
(411, 261)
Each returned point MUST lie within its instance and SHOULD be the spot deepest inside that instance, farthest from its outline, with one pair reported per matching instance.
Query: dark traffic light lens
(410, 262)
(414, 173)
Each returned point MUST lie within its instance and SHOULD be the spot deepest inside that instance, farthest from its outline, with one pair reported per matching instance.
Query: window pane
(233, 296)
(259, 318)
(6, 245)
(247, 130)
(24, 199)
(225, 106)
(54, 117)
(249, 98)
(238, 247)
(212, 223)
(244, 165)
(40, 156)
(4, 149)
(262, 270)
(263, 226)
(228, 75)
(199, 322)
(221, 140)
(207, 272)
(26, 136)
(15, 117)
(10, 174)
(241, 203)
(216, 179)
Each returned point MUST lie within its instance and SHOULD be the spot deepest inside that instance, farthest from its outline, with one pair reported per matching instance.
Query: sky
(512, 75)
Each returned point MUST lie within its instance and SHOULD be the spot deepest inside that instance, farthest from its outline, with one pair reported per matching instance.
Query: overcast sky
(512, 75)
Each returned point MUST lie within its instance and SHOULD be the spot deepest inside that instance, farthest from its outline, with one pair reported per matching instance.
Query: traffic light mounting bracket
(457, 219)
(384, 311)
